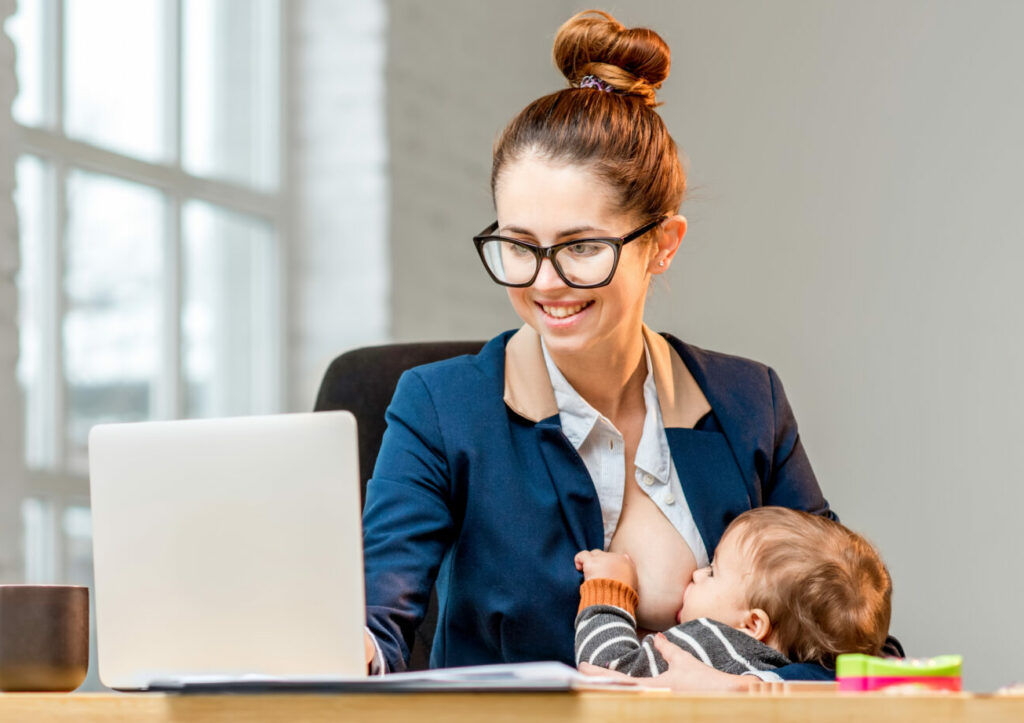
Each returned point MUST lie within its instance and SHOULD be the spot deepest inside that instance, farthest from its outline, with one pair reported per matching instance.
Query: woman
(583, 429)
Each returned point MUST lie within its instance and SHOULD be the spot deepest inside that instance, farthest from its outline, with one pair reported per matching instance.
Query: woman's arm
(684, 673)
(791, 481)
(407, 520)
(805, 671)
(793, 484)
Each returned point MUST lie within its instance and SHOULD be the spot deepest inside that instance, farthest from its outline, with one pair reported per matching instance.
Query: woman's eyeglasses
(584, 263)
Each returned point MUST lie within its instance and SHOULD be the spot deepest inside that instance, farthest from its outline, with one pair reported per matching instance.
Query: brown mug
(44, 637)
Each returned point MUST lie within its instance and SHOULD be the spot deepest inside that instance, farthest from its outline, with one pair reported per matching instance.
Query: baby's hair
(606, 119)
(824, 587)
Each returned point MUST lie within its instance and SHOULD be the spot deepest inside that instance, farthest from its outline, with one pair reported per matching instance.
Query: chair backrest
(363, 382)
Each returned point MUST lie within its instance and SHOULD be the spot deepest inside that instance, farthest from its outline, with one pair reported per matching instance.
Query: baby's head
(803, 584)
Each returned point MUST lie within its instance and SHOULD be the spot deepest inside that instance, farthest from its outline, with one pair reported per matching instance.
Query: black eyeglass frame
(548, 252)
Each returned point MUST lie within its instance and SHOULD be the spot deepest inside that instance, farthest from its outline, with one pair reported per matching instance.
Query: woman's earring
(661, 263)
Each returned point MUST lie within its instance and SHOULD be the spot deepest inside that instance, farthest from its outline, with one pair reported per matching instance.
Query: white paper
(506, 676)
(550, 672)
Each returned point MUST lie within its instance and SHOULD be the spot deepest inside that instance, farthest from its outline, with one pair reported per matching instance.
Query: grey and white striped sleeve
(606, 637)
(726, 648)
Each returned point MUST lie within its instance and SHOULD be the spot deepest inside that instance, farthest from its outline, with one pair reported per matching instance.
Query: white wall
(855, 171)
(337, 256)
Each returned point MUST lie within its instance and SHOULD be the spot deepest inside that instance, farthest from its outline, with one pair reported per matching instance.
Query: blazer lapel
(730, 398)
(712, 483)
(528, 390)
(528, 393)
(581, 510)
(680, 397)
(716, 487)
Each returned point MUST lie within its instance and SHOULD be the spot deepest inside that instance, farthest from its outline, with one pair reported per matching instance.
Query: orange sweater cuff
(604, 591)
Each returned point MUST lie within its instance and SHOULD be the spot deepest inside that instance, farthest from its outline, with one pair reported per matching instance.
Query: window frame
(53, 482)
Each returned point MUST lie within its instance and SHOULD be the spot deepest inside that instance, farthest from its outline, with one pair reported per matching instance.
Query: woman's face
(546, 203)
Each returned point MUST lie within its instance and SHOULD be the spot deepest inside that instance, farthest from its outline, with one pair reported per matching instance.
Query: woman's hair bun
(633, 61)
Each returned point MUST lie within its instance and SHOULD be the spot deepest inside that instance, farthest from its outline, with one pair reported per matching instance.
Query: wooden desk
(496, 708)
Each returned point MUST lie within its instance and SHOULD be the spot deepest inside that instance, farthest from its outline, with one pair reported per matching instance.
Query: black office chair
(363, 382)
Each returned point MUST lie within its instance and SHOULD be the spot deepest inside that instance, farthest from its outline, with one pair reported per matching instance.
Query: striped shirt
(606, 637)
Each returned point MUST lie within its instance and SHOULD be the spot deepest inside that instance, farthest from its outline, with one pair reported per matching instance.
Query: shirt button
(647, 479)
(669, 499)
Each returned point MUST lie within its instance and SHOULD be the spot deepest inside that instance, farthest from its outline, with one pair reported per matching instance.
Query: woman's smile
(562, 314)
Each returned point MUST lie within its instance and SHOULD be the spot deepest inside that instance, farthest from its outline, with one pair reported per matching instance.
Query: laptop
(227, 550)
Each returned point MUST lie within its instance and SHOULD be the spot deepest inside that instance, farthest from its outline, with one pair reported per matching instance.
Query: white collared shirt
(603, 451)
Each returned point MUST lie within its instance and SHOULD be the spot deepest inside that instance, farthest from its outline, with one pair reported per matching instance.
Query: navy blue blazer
(477, 488)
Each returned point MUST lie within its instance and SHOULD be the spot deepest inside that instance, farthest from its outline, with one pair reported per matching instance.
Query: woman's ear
(669, 235)
(757, 624)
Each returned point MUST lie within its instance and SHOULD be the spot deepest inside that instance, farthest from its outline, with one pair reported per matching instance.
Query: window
(151, 223)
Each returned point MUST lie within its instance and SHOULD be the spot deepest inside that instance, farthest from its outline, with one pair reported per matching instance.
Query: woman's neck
(610, 377)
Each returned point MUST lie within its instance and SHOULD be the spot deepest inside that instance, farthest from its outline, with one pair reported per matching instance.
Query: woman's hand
(369, 647)
(685, 672)
(609, 565)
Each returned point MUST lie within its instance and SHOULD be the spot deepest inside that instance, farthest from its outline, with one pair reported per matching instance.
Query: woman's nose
(547, 277)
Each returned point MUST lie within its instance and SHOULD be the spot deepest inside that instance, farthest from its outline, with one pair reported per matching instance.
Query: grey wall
(456, 74)
(856, 173)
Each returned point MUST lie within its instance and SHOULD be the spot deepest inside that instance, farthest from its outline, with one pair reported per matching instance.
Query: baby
(784, 586)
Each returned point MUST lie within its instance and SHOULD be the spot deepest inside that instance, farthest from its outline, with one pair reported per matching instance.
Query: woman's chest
(665, 560)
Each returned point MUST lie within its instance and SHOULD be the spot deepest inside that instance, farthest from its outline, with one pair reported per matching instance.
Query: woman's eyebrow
(560, 234)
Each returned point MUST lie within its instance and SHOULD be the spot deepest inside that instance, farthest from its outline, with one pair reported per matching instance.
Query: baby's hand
(610, 565)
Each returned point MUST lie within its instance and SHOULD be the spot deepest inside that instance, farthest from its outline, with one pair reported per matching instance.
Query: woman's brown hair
(616, 133)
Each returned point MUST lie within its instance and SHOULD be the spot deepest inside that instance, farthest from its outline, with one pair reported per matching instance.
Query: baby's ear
(757, 624)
